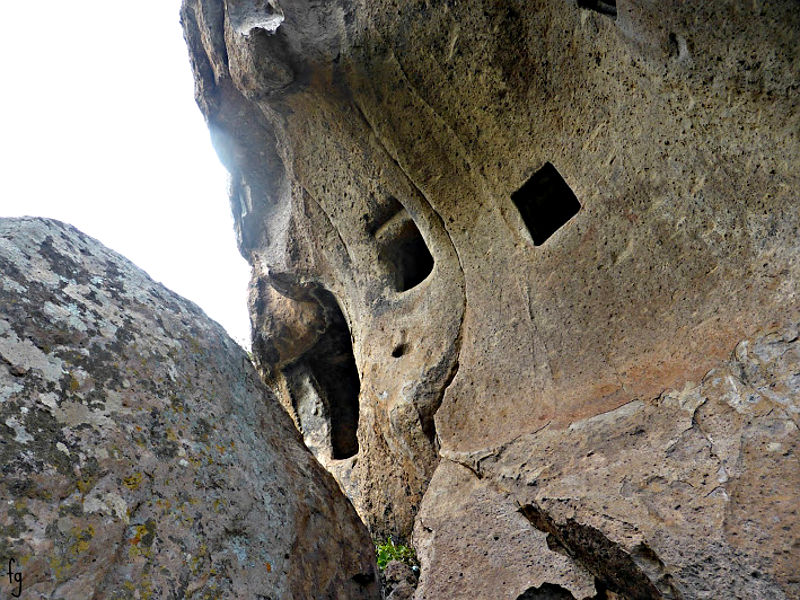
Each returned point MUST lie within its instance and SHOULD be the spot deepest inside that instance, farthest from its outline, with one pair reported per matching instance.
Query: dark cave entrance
(545, 203)
(334, 367)
(402, 249)
(325, 386)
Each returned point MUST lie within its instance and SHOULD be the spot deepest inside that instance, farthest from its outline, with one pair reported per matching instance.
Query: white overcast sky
(98, 128)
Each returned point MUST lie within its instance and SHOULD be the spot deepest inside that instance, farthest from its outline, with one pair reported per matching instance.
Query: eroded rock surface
(399, 581)
(688, 495)
(141, 455)
(528, 216)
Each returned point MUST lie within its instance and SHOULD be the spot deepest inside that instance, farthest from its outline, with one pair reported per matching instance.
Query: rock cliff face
(692, 494)
(141, 455)
(525, 275)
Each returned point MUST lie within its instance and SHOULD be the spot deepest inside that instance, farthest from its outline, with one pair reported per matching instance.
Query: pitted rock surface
(526, 216)
(688, 495)
(141, 455)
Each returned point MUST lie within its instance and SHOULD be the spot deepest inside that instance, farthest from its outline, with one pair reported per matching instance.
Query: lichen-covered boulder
(141, 456)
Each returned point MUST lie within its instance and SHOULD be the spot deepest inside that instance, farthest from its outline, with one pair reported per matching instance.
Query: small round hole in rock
(399, 350)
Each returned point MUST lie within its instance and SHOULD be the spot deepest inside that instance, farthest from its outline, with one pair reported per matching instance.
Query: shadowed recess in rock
(545, 203)
(638, 576)
(552, 591)
(325, 383)
(547, 591)
(606, 7)
(403, 251)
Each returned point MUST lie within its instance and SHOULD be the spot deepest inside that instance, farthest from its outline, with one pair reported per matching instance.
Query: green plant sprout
(389, 551)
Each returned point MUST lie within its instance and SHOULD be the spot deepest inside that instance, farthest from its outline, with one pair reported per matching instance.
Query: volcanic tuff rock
(141, 455)
(506, 230)
(692, 494)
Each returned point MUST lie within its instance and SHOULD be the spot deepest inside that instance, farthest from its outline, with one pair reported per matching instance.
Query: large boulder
(480, 226)
(141, 455)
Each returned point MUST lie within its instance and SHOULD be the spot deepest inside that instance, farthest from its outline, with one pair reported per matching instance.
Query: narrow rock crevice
(604, 7)
(324, 386)
(629, 574)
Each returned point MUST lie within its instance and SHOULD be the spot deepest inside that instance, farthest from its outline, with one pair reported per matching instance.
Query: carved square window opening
(545, 203)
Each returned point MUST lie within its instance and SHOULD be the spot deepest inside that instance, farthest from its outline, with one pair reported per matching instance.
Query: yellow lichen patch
(213, 593)
(137, 548)
(85, 484)
(82, 537)
(132, 482)
(144, 590)
(140, 531)
(74, 384)
(58, 568)
(142, 539)
(196, 564)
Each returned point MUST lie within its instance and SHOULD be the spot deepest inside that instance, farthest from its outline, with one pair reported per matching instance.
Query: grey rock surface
(399, 581)
(141, 455)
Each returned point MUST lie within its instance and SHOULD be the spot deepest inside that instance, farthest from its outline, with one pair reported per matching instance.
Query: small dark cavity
(399, 350)
(547, 591)
(604, 7)
(403, 252)
(545, 203)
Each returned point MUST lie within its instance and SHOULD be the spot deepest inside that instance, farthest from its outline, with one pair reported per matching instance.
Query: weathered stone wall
(141, 456)
(688, 495)
(674, 125)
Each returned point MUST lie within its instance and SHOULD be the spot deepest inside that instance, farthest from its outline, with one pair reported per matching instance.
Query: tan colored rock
(531, 216)
(141, 456)
(474, 543)
(689, 495)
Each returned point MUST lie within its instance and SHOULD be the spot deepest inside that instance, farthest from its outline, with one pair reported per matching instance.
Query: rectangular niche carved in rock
(606, 7)
(403, 251)
(545, 203)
